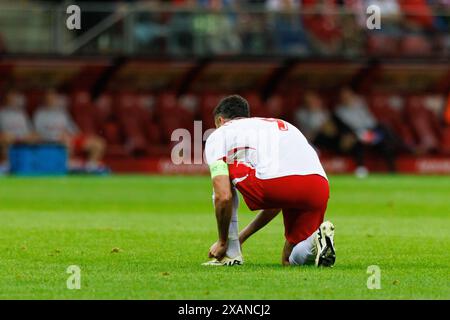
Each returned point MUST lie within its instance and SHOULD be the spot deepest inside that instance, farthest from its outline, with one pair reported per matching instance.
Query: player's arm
(223, 203)
(261, 220)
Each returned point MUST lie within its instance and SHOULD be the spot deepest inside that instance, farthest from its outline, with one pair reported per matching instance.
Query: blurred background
(108, 96)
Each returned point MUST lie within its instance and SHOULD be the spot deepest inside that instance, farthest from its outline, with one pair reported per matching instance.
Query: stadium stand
(178, 65)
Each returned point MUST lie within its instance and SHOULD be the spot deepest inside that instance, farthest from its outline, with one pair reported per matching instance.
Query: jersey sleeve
(215, 148)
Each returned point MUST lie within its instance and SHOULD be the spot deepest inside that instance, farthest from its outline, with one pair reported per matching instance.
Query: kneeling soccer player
(272, 165)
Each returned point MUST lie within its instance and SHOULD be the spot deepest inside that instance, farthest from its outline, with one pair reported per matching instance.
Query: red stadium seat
(291, 99)
(447, 111)
(34, 100)
(389, 110)
(415, 45)
(275, 108)
(172, 116)
(108, 123)
(445, 147)
(85, 113)
(189, 102)
(167, 101)
(417, 12)
(167, 114)
(146, 107)
(380, 44)
(104, 107)
(422, 124)
(146, 102)
(207, 104)
(97, 117)
(135, 117)
(257, 107)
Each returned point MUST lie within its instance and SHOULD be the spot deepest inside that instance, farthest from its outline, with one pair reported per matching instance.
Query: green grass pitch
(145, 238)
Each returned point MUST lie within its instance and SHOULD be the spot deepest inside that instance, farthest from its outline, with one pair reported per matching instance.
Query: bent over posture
(272, 165)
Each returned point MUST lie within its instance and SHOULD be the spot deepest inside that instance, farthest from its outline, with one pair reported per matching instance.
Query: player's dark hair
(232, 107)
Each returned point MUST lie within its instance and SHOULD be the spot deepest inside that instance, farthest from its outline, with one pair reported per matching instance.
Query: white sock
(304, 252)
(234, 247)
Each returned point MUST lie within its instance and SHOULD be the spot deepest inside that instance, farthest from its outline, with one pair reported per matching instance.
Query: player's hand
(218, 250)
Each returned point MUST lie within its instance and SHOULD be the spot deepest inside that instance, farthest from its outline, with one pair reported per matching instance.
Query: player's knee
(223, 198)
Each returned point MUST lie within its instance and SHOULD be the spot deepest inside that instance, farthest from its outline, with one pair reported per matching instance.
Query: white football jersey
(272, 147)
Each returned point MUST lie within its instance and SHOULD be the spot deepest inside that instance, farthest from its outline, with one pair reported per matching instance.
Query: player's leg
(300, 229)
(287, 251)
(234, 246)
(233, 255)
(303, 253)
(306, 199)
(313, 245)
(304, 228)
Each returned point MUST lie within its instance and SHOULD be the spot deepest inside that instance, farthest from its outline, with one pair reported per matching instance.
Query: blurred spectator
(389, 9)
(355, 114)
(288, 30)
(181, 39)
(313, 119)
(283, 5)
(323, 26)
(185, 27)
(15, 126)
(150, 28)
(253, 32)
(215, 29)
(353, 39)
(325, 131)
(189, 102)
(53, 123)
(418, 14)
